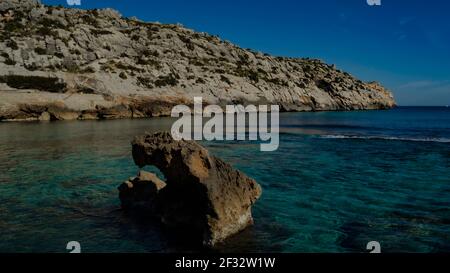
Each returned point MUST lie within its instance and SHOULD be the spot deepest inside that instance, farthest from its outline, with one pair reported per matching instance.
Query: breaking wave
(413, 139)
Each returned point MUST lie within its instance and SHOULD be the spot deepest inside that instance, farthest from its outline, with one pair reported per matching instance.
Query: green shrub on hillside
(46, 31)
(90, 20)
(189, 44)
(151, 62)
(13, 26)
(200, 81)
(40, 51)
(98, 32)
(146, 82)
(170, 80)
(247, 73)
(12, 44)
(225, 79)
(50, 23)
(277, 81)
(59, 55)
(88, 69)
(9, 61)
(54, 85)
(123, 75)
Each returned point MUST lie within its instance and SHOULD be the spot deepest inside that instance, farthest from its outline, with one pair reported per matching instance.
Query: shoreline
(41, 113)
(37, 120)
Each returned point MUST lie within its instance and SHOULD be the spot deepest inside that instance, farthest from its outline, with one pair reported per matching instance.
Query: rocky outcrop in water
(201, 193)
(96, 64)
(141, 192)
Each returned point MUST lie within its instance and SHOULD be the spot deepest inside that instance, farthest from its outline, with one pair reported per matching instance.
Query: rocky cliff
(59, 64)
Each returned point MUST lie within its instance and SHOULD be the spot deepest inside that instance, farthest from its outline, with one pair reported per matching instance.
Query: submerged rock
(140, 192)
(204, 194)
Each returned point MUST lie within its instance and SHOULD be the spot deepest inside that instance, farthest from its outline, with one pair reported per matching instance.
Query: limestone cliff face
(58, 63)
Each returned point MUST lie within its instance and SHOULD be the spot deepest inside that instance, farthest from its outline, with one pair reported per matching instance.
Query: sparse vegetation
(123, 75)
(50, 23)
(59, 55)
(31, 67)
(85, 90)
(65, 41)
(301, 84)
(148, 53)
(189, 44)
(108, 67)
(146, 82)
(75, 51)
(200, 81)
(34, 82)
(243, 59)
(95, 12)
(123, 66)
(277, 81)
(225, 79)
(46, 31)
(324, 85)
(262, 72)
(9, 61)
(40, 51)
(90, 20)
(154, 28)
(196, 62)
(12, 44)
(154, 63)
(72, 68)
(170, 80)
(98, 32)
(88, 69)
(13, 26)
(126, 31)
(149, 50)
(247, 73)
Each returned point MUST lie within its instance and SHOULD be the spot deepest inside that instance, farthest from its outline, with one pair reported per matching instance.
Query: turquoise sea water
(338, 181)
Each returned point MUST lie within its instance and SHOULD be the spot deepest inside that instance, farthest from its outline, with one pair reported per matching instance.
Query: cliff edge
(62, 64)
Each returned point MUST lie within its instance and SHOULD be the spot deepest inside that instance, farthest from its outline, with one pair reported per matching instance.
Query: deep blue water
(338, 181)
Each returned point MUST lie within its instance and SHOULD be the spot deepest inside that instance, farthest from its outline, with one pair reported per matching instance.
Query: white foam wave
(418, 139)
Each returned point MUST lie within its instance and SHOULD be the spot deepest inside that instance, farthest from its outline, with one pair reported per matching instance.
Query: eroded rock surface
(203, 193)
(141, 192)
(96, 64)
(19, 4)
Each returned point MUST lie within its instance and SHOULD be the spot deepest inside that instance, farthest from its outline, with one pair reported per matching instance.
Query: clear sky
(404, 44)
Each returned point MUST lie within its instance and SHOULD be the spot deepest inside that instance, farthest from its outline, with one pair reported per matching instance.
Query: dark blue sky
(404, 44)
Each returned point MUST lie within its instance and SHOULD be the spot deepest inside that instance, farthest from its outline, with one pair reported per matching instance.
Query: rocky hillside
(58, 64)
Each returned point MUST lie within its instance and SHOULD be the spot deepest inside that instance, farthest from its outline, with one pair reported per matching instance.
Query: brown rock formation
(140, 192)
(203, 193)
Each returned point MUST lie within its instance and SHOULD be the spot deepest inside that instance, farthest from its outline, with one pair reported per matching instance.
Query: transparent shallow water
(338, 181)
